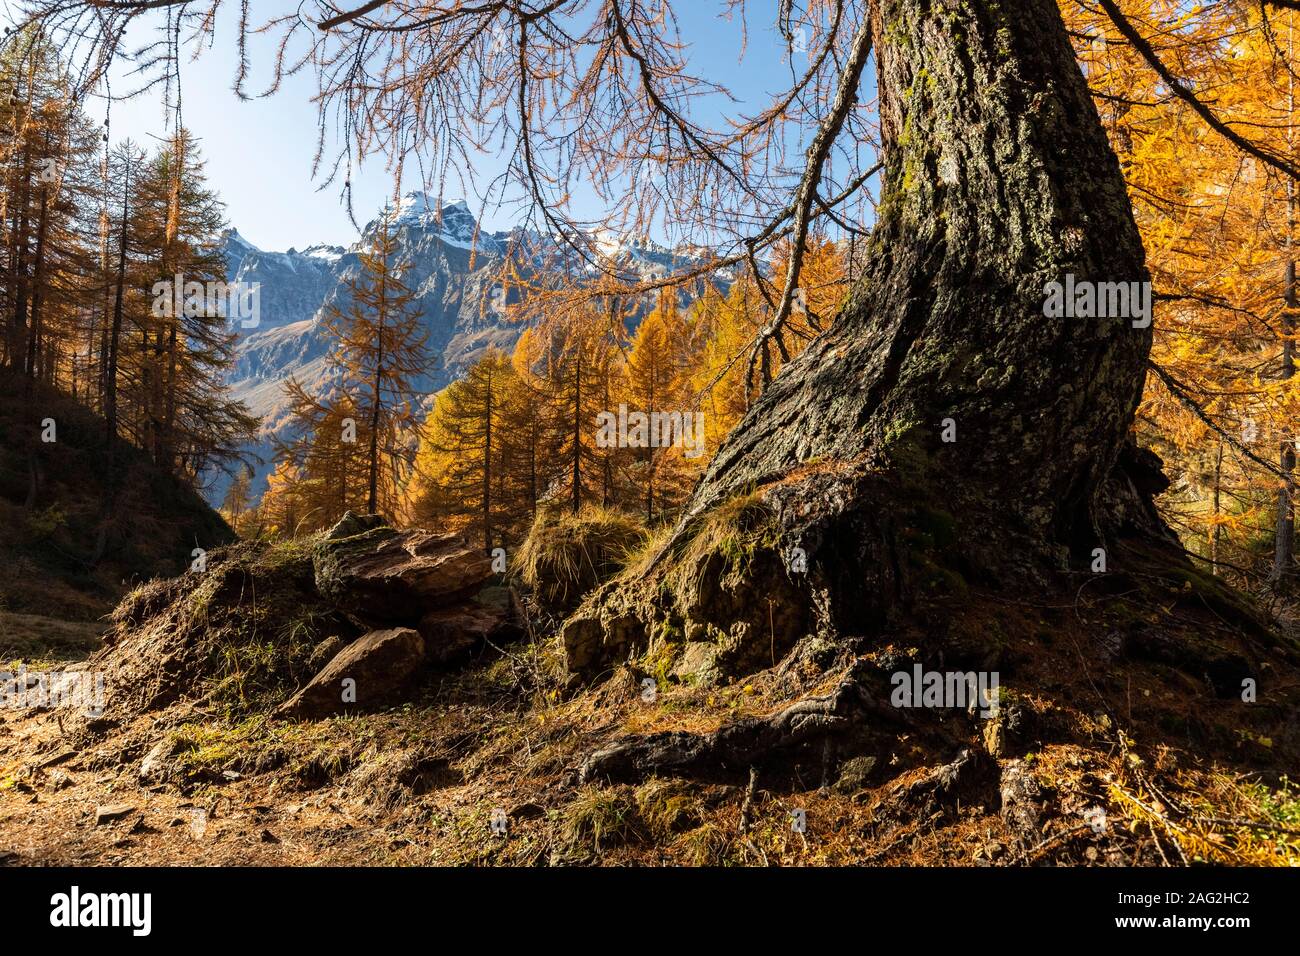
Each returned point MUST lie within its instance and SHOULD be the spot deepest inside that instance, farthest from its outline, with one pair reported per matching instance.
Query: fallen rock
(389, 576)
(112, 811)
(370, 671)
(452, 633)
(156, 766)
(324, 652)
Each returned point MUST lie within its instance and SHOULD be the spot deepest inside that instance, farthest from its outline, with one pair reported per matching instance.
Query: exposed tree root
(741, 744)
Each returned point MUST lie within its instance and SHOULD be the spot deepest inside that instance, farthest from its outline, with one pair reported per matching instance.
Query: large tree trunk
(998, 180)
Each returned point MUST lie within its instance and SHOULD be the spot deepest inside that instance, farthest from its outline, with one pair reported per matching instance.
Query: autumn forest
(878, 450)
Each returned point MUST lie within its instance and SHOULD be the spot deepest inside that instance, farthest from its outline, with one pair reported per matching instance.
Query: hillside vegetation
(64, 550)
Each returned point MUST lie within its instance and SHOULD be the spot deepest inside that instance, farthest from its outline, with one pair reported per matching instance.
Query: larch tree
(46, 144)
(461, 472)
(280, 510)
(323, 464)
(1218, 224)
(574, 364)
(654, 386)
(86, 228)
(526, 464)
(238, 497)
(127, 306)
(727, 325)
(189, 333)
(379, 353)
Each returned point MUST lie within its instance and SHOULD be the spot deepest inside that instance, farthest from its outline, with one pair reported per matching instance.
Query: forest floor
(1104, 754)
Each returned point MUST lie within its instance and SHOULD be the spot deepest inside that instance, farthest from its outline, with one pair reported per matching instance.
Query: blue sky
(259, 153)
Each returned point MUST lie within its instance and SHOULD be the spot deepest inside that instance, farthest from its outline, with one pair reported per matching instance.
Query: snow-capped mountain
(445, 259)
(452, 223)
(292, 283)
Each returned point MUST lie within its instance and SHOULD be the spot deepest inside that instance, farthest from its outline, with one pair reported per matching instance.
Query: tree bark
(577, 436)
(115, 330)
(487, 466)
(372, 500)
(1284, 534)
(111, 350)
(1217, 533)
(18, 318)
(998, 180)
(38, 289)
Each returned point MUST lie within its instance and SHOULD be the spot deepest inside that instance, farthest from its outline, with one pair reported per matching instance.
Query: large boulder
(381, 575)
(369, 672)
(451, 633)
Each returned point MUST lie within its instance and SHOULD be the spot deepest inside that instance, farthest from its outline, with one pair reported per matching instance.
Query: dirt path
(49, 800)
(420, 784)
(51, 794)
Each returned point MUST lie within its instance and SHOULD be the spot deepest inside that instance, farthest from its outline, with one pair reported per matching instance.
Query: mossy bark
(998, 180)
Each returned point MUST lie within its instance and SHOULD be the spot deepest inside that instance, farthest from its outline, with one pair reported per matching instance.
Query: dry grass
(566, 555)
(32, 638)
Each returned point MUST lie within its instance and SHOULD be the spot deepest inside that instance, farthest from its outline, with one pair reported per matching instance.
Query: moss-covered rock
(382, 575)
(727, 587)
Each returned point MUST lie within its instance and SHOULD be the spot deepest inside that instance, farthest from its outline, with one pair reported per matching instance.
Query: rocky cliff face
(446, 260)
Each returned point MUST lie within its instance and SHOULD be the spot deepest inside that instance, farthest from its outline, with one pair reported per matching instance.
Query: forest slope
(53, 516)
